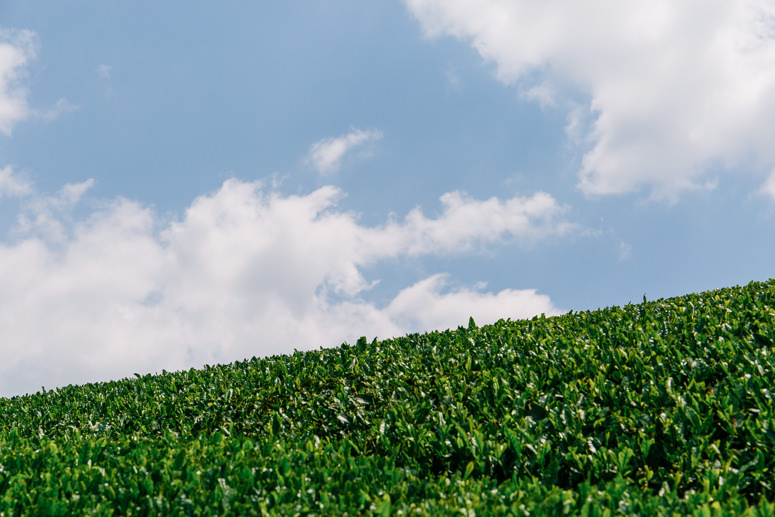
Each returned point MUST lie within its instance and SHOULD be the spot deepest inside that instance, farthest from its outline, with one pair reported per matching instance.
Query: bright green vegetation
(664, 407)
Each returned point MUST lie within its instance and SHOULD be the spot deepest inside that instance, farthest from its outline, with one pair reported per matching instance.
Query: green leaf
(469, 470)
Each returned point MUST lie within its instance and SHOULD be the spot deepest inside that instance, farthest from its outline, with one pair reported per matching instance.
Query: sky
(200, 183)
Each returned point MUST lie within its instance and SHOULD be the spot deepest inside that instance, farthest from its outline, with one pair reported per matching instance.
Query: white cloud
(243, 272)
(672, 88)
(424, 305)
(13, 185)
(466, 222)
(17, 48)
(327, 154)
(49, 216)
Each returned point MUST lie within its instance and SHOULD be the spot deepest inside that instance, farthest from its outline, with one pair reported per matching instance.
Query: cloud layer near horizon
(243, 272)
(659, 94)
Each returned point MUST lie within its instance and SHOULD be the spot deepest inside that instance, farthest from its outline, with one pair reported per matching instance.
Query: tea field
(660, 408)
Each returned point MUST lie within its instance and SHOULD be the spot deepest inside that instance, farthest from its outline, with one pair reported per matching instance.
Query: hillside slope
(665, 406)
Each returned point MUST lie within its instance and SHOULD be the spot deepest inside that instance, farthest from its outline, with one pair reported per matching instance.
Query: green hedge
(663, 407)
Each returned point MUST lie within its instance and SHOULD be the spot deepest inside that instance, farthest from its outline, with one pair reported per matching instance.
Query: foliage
(665, 407)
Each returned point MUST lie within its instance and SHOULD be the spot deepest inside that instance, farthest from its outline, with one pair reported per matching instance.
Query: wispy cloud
(17, 49)
(62, 107)
(49, 216)
(671, 88)
(625, 251)
(327, 154)
(13, 185)
(103, 71)
(768, 188)
(453, 79)
(244, 271)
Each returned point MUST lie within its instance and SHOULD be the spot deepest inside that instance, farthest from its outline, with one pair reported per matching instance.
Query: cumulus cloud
(48, 216)
(17, 49)
(466, 222)
(669, 89)
(326, 155)
(425, 305)
(243, 271)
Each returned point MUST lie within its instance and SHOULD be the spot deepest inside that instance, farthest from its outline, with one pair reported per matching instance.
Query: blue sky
(182, 185)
